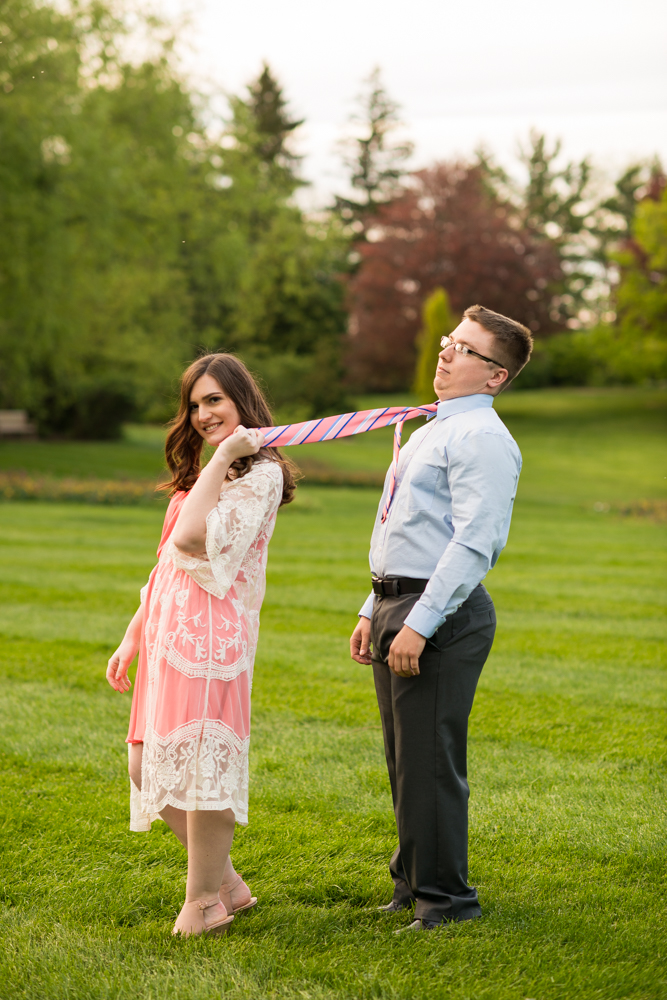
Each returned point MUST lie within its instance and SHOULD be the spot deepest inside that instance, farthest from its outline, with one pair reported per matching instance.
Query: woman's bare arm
(120, 661)
(190, 532)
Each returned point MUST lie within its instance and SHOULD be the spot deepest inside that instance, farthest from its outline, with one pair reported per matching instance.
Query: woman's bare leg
(230, 873)
(135, 753)
(210, 834)
(176, 819)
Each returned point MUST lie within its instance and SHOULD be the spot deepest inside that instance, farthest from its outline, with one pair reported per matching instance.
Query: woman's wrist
(132, 638)
(222, 456)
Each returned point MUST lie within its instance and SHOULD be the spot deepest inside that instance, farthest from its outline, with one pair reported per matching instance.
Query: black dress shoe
(395, 907)
(420, 925)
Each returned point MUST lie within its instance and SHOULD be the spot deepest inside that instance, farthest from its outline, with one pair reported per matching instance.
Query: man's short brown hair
(514, 340)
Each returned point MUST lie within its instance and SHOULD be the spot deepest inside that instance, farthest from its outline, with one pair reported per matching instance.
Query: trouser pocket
(387, 620)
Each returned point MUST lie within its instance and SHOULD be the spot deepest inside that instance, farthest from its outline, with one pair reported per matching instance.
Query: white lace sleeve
(245, 507)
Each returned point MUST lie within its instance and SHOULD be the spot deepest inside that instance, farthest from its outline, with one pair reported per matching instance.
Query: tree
(129, 238)
(288, 319)
(94, 306)
(273, 125)
(641, 297)
(557, 206)
(637, 182)
(564, 206)
(291, 318)
(376, 165)
(445, 230)
(437, 322)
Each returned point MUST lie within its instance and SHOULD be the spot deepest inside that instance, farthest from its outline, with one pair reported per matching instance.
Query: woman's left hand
(119, 664)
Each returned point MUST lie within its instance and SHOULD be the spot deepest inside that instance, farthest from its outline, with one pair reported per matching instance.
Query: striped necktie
(345, 425)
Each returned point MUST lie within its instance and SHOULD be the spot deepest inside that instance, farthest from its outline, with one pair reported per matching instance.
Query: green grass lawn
(567, 751)
(139, 456)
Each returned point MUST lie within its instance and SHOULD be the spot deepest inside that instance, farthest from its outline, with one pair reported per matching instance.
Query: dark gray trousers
(425, 728)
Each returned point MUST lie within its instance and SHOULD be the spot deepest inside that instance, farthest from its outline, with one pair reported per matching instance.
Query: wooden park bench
(15, 423)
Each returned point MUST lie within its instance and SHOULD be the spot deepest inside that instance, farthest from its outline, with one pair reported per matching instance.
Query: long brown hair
(184, 445)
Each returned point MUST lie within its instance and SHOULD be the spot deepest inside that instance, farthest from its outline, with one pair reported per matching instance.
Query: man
(429, 619)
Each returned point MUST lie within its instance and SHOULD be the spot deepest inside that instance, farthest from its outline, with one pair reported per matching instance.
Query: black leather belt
(395, 586)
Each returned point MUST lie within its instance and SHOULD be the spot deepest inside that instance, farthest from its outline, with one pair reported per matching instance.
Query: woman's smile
(209, 428)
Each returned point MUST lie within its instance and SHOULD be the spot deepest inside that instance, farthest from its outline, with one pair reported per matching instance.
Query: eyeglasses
(464, 349)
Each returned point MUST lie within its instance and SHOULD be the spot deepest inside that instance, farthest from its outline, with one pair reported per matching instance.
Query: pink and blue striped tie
(345, 425)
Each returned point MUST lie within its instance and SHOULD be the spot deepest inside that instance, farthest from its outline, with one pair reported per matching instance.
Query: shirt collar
(460, 404)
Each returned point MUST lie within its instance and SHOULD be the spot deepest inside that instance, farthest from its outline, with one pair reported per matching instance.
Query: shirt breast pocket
(423, 482)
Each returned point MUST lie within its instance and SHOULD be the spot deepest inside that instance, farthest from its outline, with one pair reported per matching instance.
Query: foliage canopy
(132, 239)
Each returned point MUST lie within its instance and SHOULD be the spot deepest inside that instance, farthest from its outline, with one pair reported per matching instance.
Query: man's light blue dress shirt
(450, 515)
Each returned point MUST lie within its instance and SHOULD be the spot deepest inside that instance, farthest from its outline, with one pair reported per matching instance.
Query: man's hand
(360, 642)
(405, 651)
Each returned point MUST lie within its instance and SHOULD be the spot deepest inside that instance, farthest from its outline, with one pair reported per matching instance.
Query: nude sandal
(192, 918)
(226, 890)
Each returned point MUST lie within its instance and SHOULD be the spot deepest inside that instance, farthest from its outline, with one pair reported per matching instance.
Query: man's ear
(498, 378)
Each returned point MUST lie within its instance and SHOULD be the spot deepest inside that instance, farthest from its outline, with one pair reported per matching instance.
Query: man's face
(465, 374)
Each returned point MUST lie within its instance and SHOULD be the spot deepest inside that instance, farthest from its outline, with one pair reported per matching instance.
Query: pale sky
(591, 72)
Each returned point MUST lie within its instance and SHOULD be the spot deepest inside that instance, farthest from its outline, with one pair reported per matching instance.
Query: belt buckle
(386, 588)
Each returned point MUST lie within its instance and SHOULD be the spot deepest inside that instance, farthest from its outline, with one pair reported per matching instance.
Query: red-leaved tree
(446, 229)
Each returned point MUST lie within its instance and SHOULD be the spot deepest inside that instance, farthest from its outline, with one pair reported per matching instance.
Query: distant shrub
(437, 322)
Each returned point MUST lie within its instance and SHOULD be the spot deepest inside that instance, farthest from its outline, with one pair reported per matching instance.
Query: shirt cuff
(421, 619)
(367, 609)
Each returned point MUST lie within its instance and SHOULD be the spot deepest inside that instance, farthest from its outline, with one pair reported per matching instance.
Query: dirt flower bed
(23, 486)
(654, 510)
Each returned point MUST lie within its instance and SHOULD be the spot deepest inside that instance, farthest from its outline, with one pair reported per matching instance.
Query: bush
(97, 409)
(597, 357)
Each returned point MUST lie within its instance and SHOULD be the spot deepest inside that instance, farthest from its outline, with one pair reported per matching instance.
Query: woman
(196, 632)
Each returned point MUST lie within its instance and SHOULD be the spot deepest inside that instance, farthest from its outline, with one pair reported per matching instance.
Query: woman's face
(212, 414)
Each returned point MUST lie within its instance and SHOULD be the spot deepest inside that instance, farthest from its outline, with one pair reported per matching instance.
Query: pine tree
(376, 165)
(272, 123)
(637, 182)
(560, 207)
(437, 323)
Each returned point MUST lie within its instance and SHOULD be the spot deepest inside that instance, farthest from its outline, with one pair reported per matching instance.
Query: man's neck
(460, 395)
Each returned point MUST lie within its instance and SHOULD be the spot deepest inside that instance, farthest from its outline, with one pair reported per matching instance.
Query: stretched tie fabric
(345, 425)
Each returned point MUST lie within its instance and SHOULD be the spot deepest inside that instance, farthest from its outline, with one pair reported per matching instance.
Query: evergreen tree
(437, 322)
(270, 123)
(559, 207)
(376, 164)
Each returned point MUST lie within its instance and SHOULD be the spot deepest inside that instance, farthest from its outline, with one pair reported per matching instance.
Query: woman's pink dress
(191, 703)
